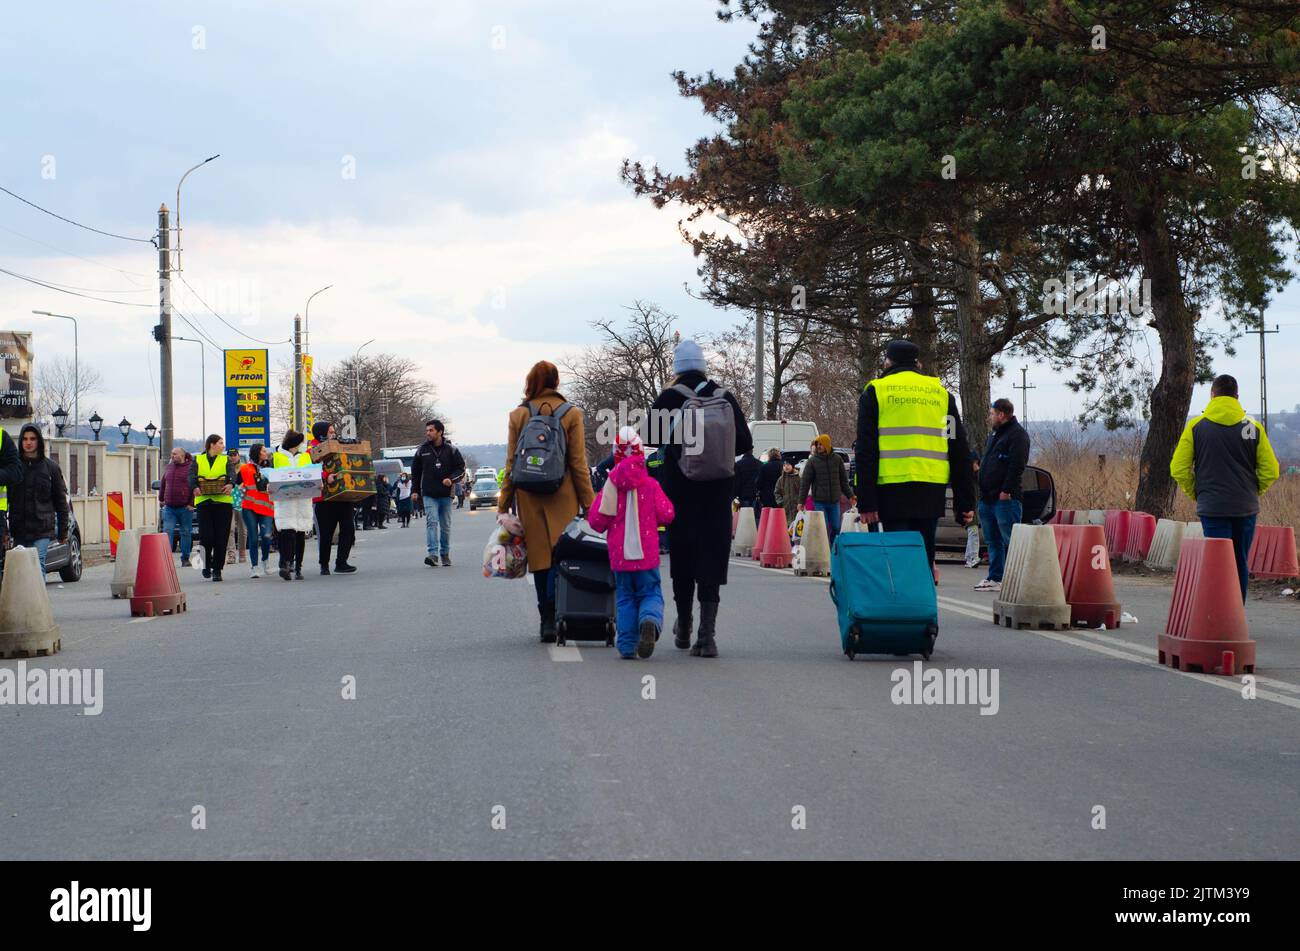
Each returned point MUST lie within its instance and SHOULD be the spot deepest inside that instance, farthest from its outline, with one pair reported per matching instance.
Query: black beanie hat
(320, 430)
(902, 351)
(292, 440)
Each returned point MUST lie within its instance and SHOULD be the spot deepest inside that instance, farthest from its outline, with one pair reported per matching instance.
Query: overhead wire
(63, 290)
(81, 257)
(269, 343)
(107, 234)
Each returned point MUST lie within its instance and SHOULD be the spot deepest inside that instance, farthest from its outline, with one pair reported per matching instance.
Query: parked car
(66, 558)
(484, 492)
(1039, 506)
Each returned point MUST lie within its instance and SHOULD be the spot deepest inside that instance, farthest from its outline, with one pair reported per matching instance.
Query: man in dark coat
(38, 508)
(768, 477)
(700, 541)
(748, 470)
(1001, 496)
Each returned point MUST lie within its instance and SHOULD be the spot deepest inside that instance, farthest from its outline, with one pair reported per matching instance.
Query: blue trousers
(997, 519)
(179, 513)
(1241, 529)
(832, 512)
(259, 529)
(437, 531)
(639, 597)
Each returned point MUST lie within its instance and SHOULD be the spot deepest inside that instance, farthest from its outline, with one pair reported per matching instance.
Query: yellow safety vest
(212, 469)
(913, 428)
(282, 460)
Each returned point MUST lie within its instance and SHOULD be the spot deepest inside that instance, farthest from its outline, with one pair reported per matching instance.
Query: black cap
(902, 351)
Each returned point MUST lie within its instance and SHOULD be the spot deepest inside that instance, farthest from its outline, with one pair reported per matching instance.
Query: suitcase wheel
(560, 629)
(925, 655)
(609, 633)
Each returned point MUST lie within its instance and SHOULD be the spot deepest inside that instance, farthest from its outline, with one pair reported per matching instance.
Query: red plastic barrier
(1273, 553)
(157, 589)
(1206, 631)
(1085, 572)
(777, 552)
(1141, 530)
(1117, 525)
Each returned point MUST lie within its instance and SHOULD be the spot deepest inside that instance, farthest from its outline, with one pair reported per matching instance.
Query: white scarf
(631, 522)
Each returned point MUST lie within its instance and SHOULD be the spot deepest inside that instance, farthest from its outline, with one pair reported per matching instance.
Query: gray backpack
(541, 454)
(714, 454)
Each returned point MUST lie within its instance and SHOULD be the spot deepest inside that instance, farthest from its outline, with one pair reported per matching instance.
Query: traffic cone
(27, 627)
(1163, 552)
(1206, 632)
(1032, 595)
(760, 542)
(745, 534)
(1085, 574)
(1141, 531)
(816, 547)
(157, 589)
(1272, 553)
(128, 557)
(777, 552)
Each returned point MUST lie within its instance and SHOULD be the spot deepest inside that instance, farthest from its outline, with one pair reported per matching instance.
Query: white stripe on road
(566, 654)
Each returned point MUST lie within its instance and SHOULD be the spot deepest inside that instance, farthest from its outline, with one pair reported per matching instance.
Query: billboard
(248, 404)
(16, 388)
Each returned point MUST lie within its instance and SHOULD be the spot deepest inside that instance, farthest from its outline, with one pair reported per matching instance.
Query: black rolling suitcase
(584, 586)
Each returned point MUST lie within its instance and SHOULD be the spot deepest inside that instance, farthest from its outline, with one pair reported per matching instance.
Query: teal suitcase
(883, 588)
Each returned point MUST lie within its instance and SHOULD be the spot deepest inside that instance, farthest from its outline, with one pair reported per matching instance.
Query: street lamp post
(300, 366)
(203, 381)
(178, 206)
(151, 431)
(76, 368)
(60, 420)
(356, 382)
(124, 427)
(96, 424)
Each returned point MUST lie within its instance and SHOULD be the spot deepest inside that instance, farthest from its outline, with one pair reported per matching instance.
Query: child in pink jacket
(631, 509)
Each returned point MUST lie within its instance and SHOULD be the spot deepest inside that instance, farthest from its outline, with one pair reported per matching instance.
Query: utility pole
(299, 378)
(163, 332)
(759, 411)
(1024, 388)
(383, 421)
(1263, 372)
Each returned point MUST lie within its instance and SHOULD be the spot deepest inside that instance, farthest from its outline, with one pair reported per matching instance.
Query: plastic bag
(505, 555)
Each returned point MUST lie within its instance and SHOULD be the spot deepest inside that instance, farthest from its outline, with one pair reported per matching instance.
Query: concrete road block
(1033, 594)
(128, 558)
(746, 534)
(1165, 545)
(27, 627)
(816, 559)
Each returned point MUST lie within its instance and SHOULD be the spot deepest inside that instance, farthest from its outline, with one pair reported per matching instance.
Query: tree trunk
(973, 360)
(1172, 396)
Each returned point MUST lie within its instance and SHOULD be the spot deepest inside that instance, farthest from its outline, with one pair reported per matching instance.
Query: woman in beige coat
(545, 516)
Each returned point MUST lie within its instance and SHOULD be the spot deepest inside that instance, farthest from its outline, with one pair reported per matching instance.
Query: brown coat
(545, 516)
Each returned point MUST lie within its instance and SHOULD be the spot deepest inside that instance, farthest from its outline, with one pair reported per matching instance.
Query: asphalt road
(461, 717)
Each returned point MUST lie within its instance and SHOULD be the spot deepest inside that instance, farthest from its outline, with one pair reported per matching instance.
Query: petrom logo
(533, 460)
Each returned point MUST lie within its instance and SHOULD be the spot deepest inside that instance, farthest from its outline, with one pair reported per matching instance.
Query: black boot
(682, 628)
(548, 623)
(705, 645)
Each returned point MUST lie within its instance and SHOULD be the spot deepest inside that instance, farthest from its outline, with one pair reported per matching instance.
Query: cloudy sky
(451, 168)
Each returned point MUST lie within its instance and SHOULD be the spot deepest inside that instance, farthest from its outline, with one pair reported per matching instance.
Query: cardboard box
(293, 482)
(350, 486)
(331, 446)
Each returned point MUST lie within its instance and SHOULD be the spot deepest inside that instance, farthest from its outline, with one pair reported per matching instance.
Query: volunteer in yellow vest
(293, 517)
(213, 503)
(911, 446)
(11, 473)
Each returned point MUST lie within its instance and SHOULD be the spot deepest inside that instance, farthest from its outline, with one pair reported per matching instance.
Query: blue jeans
(179, 513)
(832, 512)
(259, 528)
(639, 597)
(437, 531)
(1241, 529)
(997, 519)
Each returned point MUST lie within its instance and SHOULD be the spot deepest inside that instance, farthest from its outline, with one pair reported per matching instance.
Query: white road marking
(139, 620)
(566, 654)
(1100, 644)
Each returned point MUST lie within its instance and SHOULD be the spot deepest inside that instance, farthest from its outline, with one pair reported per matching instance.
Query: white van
(788, 435)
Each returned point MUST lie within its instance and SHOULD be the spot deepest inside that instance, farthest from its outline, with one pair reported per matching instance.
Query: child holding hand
(632, 507)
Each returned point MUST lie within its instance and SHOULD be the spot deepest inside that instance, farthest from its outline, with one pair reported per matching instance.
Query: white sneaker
(989, 585)
(253, 572)
(266, 568)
